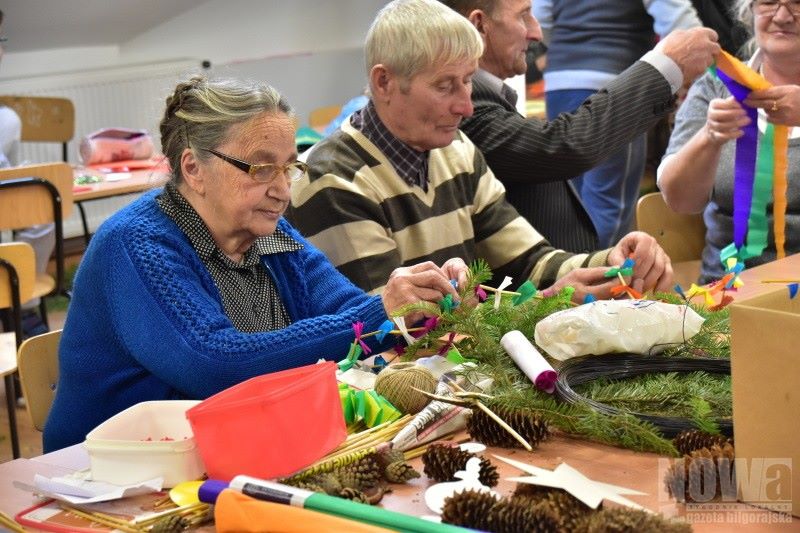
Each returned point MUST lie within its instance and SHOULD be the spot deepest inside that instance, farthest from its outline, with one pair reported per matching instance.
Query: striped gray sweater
(368, 221)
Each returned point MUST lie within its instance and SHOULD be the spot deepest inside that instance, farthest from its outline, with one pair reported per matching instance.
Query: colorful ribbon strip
(760, 168)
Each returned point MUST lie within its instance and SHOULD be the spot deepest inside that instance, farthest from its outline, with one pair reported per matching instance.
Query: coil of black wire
(582, 370)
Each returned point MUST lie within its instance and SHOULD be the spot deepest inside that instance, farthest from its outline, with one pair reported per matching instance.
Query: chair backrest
(21, 207)
(38, 194)
(44, 119)
(37, 362)
(20, 256)
(683, 237)
(320, 117)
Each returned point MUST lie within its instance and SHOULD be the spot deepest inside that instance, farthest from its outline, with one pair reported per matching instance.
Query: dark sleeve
(533, 150)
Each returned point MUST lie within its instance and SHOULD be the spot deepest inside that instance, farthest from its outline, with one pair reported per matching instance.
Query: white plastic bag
(608, 326)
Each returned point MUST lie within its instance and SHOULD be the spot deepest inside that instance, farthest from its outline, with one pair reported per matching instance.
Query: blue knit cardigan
(146, 322)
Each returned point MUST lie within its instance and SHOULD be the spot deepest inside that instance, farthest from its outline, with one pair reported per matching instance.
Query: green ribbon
(351, 358)
(366, 405)
(526, 291)
(454, 356)
(757, 224)
(446, 303)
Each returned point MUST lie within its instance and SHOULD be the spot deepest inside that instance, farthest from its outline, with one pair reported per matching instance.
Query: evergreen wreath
(627, 421)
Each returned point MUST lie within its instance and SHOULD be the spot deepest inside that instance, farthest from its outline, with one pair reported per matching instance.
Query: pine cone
(442, 461)
(569, 511)
(690, 440)
(329, 482)
(311, 484)
(363, 474)
(627, 520)
(170, 524)
(514, 516)
(528, 423)
(375, 494)
(349, 493)
(533, 493)
(470, 509)
(390, 456)
(685, 479)
(400, 472)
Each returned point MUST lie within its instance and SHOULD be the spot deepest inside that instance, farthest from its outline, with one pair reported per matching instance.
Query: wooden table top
(111, 185)
(635, 470)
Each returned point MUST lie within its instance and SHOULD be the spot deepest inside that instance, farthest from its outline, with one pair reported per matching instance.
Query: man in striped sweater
(399, 183)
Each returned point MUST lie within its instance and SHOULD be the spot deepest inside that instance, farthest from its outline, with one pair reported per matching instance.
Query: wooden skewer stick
(780, 281)
(116, 524)
(464, 401)
(504, 425)
(493, 289)
(11, 524)
(392, 332)
(464, 393)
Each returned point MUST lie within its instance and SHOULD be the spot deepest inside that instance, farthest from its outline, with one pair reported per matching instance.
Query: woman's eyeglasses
(769, 8)
(266, 172)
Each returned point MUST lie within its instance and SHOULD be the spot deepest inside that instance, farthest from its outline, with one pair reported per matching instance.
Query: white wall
(233, 30)
(310, 50)
(221, 31)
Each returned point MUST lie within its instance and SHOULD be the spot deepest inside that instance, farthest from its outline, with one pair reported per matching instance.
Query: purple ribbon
(480, 293)
(358, 328)
(427, 326)
(745, 163)
(444, 349)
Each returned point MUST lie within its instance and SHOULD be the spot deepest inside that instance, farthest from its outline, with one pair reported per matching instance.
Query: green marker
(315, 501)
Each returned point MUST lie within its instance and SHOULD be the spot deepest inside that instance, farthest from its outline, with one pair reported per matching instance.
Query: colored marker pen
(277, 493)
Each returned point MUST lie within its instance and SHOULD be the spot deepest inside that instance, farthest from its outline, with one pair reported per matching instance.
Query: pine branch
(702, 416)
(481, 327)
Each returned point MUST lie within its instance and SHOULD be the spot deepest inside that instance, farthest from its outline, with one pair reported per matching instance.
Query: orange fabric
(779, 185)
(740, 72)
(235, 512)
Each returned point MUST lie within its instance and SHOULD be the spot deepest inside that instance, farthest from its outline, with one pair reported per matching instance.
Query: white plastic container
(148, 440)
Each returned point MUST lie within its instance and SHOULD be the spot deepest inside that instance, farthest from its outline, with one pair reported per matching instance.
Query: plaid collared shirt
(249, 295)
(409, 164)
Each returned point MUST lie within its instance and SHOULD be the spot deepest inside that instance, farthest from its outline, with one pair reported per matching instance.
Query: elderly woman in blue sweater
(199, 286)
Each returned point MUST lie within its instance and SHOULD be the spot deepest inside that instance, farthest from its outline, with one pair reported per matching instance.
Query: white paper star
(565, 477)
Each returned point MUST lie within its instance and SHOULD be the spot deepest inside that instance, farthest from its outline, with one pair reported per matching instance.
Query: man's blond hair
(409, 36)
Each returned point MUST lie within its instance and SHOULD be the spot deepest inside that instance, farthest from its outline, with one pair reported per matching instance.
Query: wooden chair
(38, 194)
(37, 360)
(683, 237)
(321, 116)
(17, 279)
(44, 119)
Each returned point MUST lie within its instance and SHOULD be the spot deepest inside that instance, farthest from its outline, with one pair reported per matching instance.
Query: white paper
(529, 360)
(435, 495)
(357, 378)
(80, 490)
(590, 492)
(499, 292)
(117, 176)
(401, 325)
(472, 447)
(437, 364)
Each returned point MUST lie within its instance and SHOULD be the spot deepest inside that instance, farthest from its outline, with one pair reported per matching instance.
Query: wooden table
(636, 470)
(139, 181)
